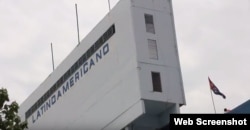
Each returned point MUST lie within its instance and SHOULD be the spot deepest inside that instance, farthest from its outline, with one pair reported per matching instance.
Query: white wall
(109, 96)
(168, 61)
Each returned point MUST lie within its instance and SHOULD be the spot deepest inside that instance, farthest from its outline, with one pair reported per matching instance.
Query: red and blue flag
(215, 89)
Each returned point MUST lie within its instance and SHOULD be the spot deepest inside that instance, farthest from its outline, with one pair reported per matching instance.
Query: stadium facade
(124, 75)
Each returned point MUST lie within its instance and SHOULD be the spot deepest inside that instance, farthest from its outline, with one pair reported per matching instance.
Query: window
(149, 21)
(156, 79)
(152, 49)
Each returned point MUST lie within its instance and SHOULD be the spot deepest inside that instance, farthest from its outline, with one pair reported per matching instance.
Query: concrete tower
(125, 74)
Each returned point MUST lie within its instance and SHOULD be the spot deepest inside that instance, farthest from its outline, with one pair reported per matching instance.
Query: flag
(215, 89)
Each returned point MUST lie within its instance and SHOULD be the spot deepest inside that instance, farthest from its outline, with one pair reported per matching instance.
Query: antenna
(109, 4)
(52, 56)
(77, 25)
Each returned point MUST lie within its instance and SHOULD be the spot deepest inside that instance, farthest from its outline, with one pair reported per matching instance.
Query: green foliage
(9, 120)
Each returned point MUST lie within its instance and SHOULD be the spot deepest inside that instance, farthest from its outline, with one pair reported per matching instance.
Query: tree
(9, 119)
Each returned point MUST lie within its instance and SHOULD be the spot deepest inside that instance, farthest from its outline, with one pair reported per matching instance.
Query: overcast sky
(213, 38)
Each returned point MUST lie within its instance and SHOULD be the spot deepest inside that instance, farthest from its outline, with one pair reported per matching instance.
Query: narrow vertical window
(149, 21)
(156, 79)
(152, 49)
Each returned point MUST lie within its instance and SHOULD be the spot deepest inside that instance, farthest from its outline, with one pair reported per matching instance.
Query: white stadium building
(124, 75)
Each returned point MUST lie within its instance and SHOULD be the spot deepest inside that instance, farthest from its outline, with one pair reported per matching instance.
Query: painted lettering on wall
(72, 80)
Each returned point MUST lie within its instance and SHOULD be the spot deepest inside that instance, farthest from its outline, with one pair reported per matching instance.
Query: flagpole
(52, 56)
(109, 4)
(213, 101)
(77, 25)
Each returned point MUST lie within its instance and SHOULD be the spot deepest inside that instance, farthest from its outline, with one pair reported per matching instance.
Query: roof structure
(244, 108)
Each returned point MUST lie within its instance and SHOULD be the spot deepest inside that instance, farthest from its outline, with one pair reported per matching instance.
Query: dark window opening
(156, 79)
(149, 21)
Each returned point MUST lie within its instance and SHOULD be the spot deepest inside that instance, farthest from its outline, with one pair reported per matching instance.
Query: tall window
(152, 49)
(156, 79)
(149, 21)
